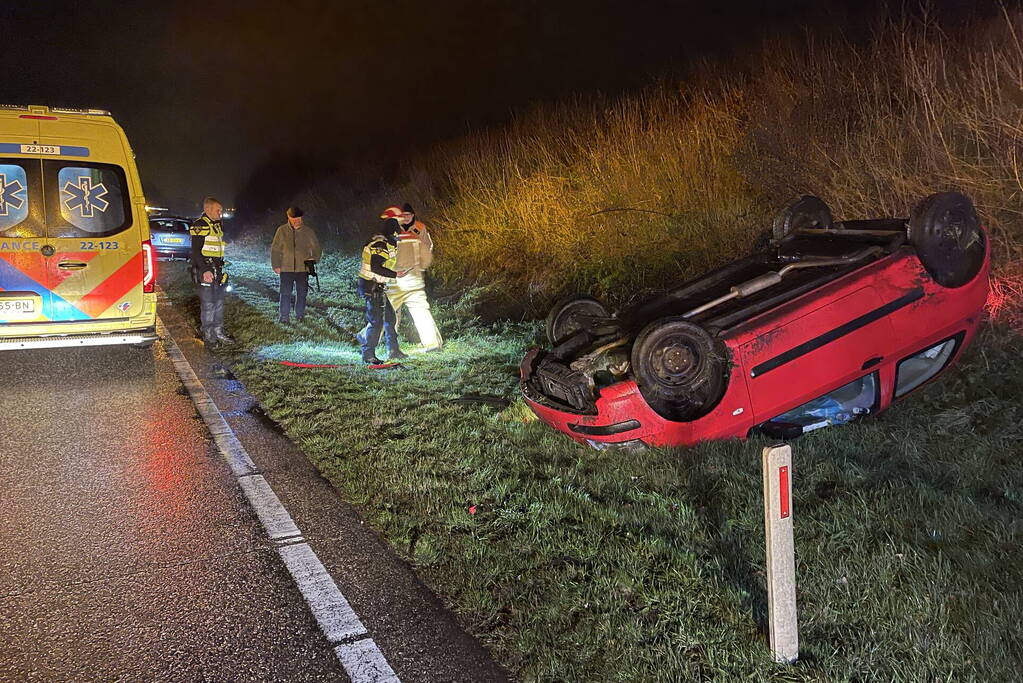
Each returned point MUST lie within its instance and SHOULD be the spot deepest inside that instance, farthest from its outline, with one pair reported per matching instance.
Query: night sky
(209, 93)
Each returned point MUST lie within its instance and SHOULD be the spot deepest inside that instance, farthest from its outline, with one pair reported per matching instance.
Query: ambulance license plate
(16, 309)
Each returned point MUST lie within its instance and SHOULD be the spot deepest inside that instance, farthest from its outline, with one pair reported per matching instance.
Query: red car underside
(862, 321)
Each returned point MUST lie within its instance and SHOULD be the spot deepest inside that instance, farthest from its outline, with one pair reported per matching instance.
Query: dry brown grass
(613, 196)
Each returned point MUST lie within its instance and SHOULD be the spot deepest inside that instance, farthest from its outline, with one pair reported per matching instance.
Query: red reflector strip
(38, 117)
(783, 491)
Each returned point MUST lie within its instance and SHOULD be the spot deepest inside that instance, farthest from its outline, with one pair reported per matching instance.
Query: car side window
(20, 198)
(842, 405)
(913, 371)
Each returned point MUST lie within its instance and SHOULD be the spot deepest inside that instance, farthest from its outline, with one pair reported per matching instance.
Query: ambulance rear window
(85, 200)
(20, 211)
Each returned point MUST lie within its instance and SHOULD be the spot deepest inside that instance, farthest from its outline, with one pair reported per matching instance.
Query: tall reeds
(614, 196)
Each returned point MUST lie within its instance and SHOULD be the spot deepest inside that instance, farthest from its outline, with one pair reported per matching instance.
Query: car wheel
(806, 212)
(945, 231)
(681, 370)
(565, 317)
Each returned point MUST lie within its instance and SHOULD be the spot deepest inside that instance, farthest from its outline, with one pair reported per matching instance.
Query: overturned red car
(832, 321)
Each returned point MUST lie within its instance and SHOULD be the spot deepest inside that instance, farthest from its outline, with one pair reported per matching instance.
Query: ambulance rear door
(96, 265)
(24, 280)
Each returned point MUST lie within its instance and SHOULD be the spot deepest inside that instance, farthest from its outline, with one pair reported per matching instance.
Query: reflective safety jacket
(378, 260)
(207, 244)
(415, 248)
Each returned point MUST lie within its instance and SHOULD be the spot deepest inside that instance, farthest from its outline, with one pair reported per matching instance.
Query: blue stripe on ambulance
(54, 306)
(65, 150)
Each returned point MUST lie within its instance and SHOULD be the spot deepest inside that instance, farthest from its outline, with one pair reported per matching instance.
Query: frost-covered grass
(576, 565)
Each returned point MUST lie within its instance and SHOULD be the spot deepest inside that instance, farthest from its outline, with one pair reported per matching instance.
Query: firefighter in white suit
(414, 256)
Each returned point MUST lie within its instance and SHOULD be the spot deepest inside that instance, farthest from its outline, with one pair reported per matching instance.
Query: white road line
(275, 518)
(361, 658)
(336, 618)
(227, 442)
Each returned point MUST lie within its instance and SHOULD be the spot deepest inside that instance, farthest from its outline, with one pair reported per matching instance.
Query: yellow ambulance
(76, 264)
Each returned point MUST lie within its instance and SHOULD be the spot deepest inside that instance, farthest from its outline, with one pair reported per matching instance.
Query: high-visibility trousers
(400, 294)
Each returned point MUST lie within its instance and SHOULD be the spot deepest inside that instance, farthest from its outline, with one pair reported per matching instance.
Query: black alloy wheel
(571, 314)
(681, 370)
(945, 231)
(806, 212)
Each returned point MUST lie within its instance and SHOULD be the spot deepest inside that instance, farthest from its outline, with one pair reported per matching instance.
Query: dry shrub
(1005, 302)
(614, 196)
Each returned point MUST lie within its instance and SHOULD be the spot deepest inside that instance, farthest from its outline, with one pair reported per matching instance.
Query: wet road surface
(128, 551)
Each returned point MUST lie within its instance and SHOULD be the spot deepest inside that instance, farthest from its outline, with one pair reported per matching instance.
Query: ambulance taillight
(148, 268)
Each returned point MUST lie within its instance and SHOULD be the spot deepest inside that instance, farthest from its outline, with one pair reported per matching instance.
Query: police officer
(208, 270)
(376, 271)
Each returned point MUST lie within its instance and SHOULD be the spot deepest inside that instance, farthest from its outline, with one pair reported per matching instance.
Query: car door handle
(72, 265)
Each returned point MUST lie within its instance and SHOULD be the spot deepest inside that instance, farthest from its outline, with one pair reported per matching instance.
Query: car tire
(681, 370)
(945, 231)
(806, 212)
(563, 319)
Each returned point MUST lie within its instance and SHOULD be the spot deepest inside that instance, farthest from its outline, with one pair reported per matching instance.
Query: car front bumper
(621, 416)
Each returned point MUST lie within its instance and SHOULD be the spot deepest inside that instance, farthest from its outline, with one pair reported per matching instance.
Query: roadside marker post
(781, 560)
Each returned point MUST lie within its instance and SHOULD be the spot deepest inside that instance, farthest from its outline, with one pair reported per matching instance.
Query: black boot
(222, 336)
(371, 360)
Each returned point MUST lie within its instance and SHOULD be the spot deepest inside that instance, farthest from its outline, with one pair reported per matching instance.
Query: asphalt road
(128, 551)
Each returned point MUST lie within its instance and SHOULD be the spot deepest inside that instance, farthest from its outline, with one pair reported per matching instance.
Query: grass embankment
(578, 565)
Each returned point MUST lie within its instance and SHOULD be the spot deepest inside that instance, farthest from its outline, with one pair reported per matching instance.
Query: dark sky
(209, 92)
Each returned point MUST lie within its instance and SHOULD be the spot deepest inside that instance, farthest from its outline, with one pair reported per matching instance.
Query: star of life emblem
(11, 195)
(85, 197)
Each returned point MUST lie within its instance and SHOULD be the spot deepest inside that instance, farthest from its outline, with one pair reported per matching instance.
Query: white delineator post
(781, 560)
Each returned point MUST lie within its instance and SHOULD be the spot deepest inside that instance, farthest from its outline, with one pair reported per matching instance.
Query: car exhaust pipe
(762, 282)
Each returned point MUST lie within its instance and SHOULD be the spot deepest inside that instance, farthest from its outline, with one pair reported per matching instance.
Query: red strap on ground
(291, 364)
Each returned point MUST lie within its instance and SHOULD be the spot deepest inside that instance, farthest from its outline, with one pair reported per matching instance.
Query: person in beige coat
(414, 255)
(294, 247)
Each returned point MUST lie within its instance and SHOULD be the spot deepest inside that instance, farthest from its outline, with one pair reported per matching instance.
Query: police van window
(913, 371)
(85, 200)
(21, 214)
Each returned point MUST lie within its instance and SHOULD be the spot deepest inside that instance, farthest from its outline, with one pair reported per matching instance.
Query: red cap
(391, 212)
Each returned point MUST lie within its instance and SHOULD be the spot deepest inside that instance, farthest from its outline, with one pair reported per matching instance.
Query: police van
(76, 264)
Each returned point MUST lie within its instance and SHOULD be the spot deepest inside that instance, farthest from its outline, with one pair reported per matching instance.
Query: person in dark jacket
(376, 271)
(207, 234)
(294, 247)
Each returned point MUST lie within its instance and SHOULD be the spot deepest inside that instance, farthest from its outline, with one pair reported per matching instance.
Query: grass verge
(572, 565)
